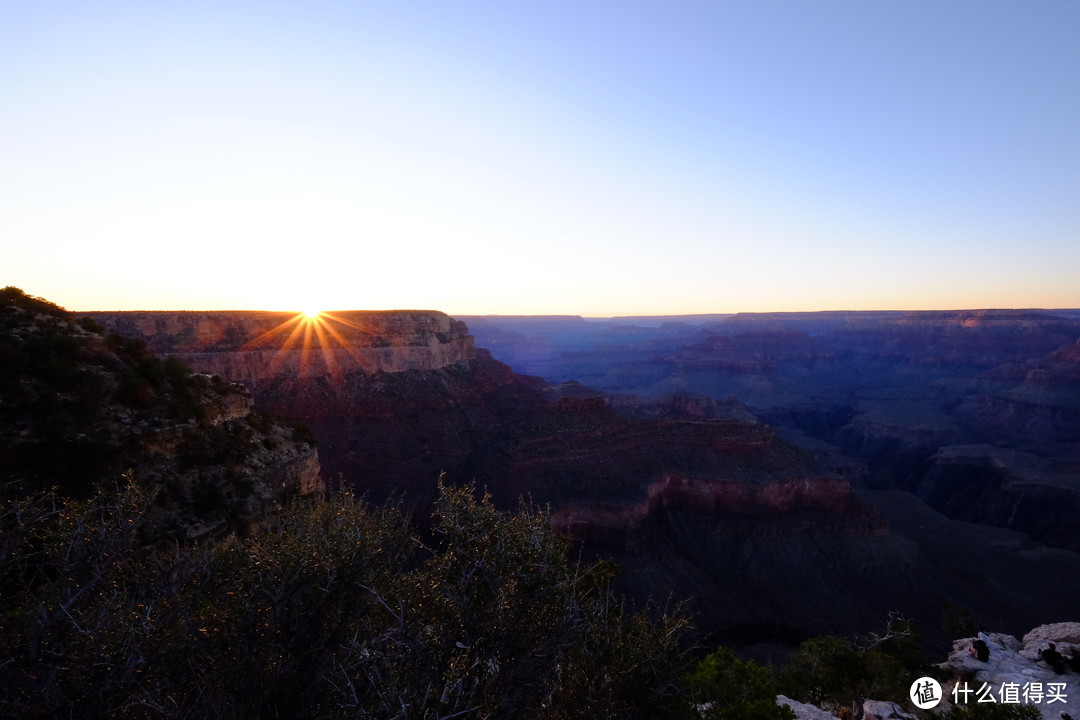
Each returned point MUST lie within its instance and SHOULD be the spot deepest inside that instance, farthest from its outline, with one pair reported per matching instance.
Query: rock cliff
(252, 346)
(79, 408)
(1013, 675)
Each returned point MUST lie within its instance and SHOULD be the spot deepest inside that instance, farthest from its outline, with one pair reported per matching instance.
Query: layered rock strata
(691, 498)
(251, 346)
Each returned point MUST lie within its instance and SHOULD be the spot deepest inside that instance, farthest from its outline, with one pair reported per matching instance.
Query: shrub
(333, 610)
(840, 672)
(727, 688)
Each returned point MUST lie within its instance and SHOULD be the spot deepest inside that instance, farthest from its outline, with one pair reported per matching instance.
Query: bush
(13, 296)
(333, 610)
(727, 688)
(838, 672)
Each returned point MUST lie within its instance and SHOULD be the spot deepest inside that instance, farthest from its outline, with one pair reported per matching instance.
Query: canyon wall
(252, 346)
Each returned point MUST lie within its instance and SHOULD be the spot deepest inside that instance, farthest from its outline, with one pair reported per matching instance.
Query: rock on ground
(1016, 664)
(804, 711)
(1013, 667)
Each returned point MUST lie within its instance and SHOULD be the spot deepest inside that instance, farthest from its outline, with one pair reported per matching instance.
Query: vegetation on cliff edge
(334, 610)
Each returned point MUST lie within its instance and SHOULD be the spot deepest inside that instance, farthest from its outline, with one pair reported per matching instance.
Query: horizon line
(598, 317)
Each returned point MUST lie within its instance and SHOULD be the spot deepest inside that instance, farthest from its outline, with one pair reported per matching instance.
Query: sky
(581, 157)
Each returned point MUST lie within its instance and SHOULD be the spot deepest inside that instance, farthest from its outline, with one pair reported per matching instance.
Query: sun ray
(265, 338)
(305, 349)
(348, 323)
(308, 331)
(333, 333)
(320, 327)
(292, 340)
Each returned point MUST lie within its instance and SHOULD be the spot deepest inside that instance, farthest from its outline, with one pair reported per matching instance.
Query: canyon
(975, 412)
(784, 475)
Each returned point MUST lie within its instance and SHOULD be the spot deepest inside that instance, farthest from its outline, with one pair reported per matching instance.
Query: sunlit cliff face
(309, 331)
(249, 346)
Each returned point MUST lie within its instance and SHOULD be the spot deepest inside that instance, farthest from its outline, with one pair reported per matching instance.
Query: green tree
(728, 688)
(845, 672)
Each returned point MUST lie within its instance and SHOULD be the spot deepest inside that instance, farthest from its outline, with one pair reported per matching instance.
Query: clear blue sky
(580, 157)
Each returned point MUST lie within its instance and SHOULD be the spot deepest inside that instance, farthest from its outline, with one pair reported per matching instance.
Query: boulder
(1062, 632)
(804, 711)
(1015, 666)
(885, 710)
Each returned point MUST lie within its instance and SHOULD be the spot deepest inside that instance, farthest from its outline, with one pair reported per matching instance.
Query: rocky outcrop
(804, 711)
(1017, 665)
(79, 409)
(252, 346)
(1014, 674)
(1062, 632)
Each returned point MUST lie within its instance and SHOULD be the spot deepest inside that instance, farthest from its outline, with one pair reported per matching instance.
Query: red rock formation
(247, 346)
(771, 509)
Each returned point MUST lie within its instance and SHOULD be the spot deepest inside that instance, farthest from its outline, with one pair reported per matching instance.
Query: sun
(313, 340)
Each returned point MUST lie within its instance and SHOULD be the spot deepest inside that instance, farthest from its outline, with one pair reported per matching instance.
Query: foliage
(13, 296)
(333, 610)
(728, 688)
(843, 672)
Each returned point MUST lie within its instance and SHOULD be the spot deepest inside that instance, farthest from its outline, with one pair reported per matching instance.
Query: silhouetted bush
(333, 610)
(843, 672)
(14, 296)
